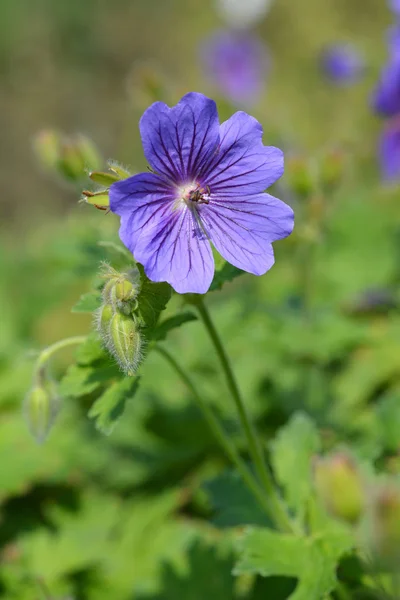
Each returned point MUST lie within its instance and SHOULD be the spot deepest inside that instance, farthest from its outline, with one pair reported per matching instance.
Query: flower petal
(139, 200)
(242, 230)
(389, 152)
(386, 96)
(175, 249)
(178, 140)
(242, 164)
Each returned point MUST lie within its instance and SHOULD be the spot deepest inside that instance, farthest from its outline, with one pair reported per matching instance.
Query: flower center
(192, 194)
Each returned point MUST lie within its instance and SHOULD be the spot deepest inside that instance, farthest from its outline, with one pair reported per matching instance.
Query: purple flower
(394, 41)
(389, 151)
(394, 5)
(237, 64)
(386, 97)
(207, 186)
(343, 64)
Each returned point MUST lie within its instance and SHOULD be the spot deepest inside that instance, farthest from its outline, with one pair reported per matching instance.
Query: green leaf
(388, 421)
(162, 330)
(313, 561)
(208, 575)
(292, 450)
(224, 272)
(109, 407)
(90, 351)
(234, 505)
(153, 299)
(268, 552)
(87, 303)
(82, 380)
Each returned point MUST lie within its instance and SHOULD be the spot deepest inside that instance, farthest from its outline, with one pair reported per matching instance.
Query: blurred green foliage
(154, 511)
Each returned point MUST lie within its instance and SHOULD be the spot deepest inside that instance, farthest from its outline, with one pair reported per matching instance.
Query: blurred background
(145, 512)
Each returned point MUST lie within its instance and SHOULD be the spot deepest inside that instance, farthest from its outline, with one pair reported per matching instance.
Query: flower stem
(218, 431)
(276, 509)
(50, 350)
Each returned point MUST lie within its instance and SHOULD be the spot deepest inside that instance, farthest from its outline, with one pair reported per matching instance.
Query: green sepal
(119, 170)
(102, 178)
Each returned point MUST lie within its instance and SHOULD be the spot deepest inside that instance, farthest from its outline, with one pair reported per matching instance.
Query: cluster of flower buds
(69, 156)
(41, 406)
(117, 321)
(340, 486)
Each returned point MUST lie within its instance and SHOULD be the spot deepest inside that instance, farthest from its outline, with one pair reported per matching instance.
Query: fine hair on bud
(126, 342)
(102, 321)
(121, 289)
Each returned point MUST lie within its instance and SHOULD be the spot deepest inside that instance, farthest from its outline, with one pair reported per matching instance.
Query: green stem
(276, 509)
(50, 350)
(218, 431)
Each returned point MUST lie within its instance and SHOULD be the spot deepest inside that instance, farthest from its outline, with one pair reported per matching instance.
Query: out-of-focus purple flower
(208, 185)
(386, 97)
(394, 41)
(342, 63)
(237, 63)
(389, 151)
(394, 5)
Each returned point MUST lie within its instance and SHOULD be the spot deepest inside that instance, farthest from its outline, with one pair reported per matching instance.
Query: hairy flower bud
(103, 317)
(41, 408)
(340, 486)
(121, 289)
(125, 342)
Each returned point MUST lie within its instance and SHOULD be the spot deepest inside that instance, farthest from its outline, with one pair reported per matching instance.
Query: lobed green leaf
(109, 407)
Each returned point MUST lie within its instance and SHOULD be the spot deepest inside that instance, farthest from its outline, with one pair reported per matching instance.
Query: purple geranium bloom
(342, 63)
(386, 97)
(207, 186)
(237, 63)
(389, 151)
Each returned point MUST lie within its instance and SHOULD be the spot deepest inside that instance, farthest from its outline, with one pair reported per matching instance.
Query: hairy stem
(218, 431)
(50, 350)
(276, 508)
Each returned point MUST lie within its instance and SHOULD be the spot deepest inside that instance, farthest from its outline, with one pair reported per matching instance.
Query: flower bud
(41, 408)
(69, 156)
(340, 486)
(383, 525)
(121, 289)
(125, 342)
(78, 154)
(332, 168)
(47, 147)
(300, 176)
(103, 317)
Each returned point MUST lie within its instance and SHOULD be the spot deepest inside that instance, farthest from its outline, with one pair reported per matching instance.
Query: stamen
(192, 194)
